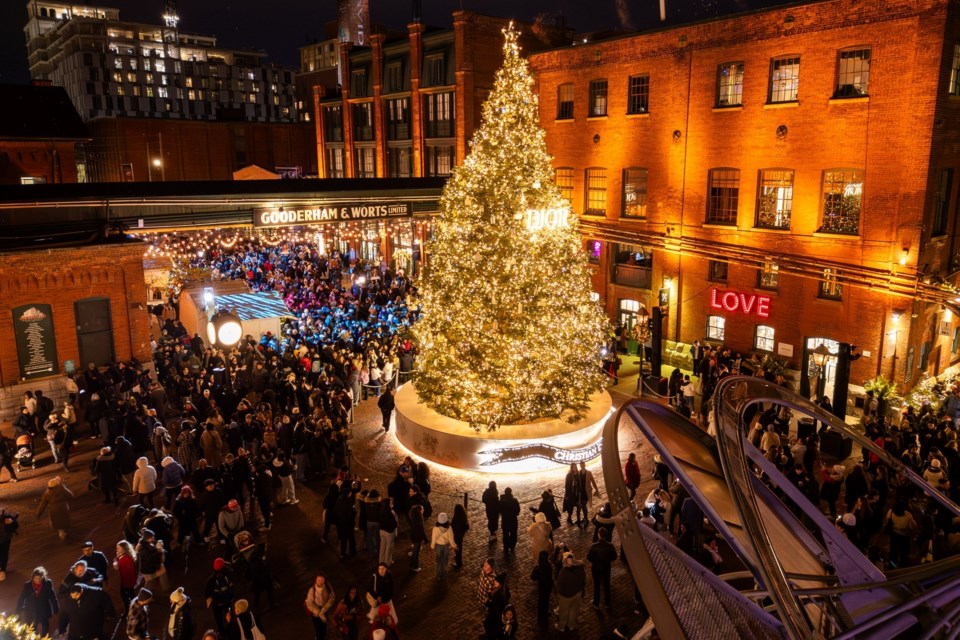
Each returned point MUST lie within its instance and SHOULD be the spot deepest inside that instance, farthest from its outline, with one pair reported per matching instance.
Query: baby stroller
(24, 454)
(243, 546)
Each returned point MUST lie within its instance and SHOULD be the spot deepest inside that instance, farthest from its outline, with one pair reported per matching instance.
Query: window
(763, 338)
(358, 83)
(730, 84)
(363, 121)
(638, 94)
(842, 197)
(594, 248)
(628, 312)
(634, 193)
(398, 119)
(333, 124)
(335, 162)
(596, 183)
(942, 202)
(784, 79)
(955, 71)
(768, 276)
(366, 162)
(563, 177)
(723, 196)
(399, 162)
(436, 71)
(565, 102)
(632, 265)
(598, 98)
(439, 112)
(717, 271)
(439, 160)
(715, 327)
(775, 198)
(394, 77)
(956, 340)
(830, 286)
(33, 180)
(853, 73)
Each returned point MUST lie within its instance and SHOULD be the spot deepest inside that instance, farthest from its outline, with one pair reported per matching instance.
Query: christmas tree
(509, 332)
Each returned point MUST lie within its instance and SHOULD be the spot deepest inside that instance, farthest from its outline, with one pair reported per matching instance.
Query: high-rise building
(111, 67)
(353, 21)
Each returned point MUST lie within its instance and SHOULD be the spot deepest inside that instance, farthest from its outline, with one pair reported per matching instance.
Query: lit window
(955, 72)
(830, 286)
(162, 92)
(335, 163)
(276, 99)
(191, 95)
(131, 77)
(853, 73)
(149, 92)
(634, 193)
(638, 94)
(366, 162)
(440, 115)
(33, 180)
(160, 66)
(775, 198)
(768, 276)
(763, 338)
(715, 327)
(252, 98)
(730, 84)
(439, 160)
(594, 247)
(784, 79)
(188, 82)
(629, 310)
(565, 96)
(723, 196)
(596, 183)
(563, 177)
(598, 98)
(842, 199)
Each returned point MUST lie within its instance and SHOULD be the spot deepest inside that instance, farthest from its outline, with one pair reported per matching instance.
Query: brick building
(408, 105)
(39, 135)
(79, 304)
(787, 175)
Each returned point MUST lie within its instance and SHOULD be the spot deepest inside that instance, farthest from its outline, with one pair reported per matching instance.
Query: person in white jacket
(442, 542)
(144, 482)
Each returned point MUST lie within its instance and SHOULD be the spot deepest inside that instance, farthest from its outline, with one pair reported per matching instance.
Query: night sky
(281, 26)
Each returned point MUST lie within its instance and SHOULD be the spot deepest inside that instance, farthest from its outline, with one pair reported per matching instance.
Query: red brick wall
(899, 137)
(60, 277)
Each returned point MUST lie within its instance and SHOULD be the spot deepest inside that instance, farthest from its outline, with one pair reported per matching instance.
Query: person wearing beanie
(57, 498)
(230, 521)
(108, 474)
(442, 542)
(144, 481)
(383, 625)
(173, 477)
(244, 624)
(180, 625)
(138, 616)
(219, 593)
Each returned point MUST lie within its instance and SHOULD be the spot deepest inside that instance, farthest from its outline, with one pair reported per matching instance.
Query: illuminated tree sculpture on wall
(509, 332)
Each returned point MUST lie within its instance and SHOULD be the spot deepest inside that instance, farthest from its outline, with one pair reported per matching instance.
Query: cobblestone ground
(426, 607)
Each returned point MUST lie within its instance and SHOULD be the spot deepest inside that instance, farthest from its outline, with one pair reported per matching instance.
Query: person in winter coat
(491, 504)
(230, 521)
(84, 611)
(345, 517)
(126, 564)
(542, 574)
(508, 623)
(187, 511)
(180, 625)
(509, 514)
(460, 526)
(212, 445)
(388, 531)
(442, 542)
(320, 599)
(548, 507)
(541, 535)
(418, 536)
(832, 480)
(144, 482)
(151, 556)
(571, 584)
(126, 459)
(261, 576)
(173, 476)
(387, 404)
(601, 555)
(219, 594)
(57, 498)
(284, 471)
(9, 524)
(346, 615)
(496, 603)
(186, 446)
(631, 473)
(380, 593)
(38, 602)
(138, 616)
(108, 473)
(243, 621)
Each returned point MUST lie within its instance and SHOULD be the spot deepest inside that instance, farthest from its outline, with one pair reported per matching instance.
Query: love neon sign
(737, 301)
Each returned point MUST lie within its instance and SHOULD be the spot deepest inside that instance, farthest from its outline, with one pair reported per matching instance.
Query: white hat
(849, 519)
(177, 596)
(935, 463)
(442, 518)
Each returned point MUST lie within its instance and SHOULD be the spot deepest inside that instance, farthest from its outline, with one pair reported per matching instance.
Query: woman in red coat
(126, 564)
(631, 472)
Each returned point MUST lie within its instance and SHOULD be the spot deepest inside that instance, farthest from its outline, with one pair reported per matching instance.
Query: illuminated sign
(315, 215)
(542, 450)
(737, 301)
(538, 219)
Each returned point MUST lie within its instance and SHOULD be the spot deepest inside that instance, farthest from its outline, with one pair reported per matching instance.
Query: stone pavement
(426, 608)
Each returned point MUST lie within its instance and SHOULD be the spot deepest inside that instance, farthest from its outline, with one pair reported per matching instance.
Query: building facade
(775, 180)
(408, 105)
(111, 67)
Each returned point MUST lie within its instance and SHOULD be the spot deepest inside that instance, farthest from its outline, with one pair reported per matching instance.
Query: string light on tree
(503, 342)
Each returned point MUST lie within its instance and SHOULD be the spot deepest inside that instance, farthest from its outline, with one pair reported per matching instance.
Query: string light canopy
(508, 332)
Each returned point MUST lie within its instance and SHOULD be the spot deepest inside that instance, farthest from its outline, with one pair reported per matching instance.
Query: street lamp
(820, 355)
(641, 333)
(224, 330)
